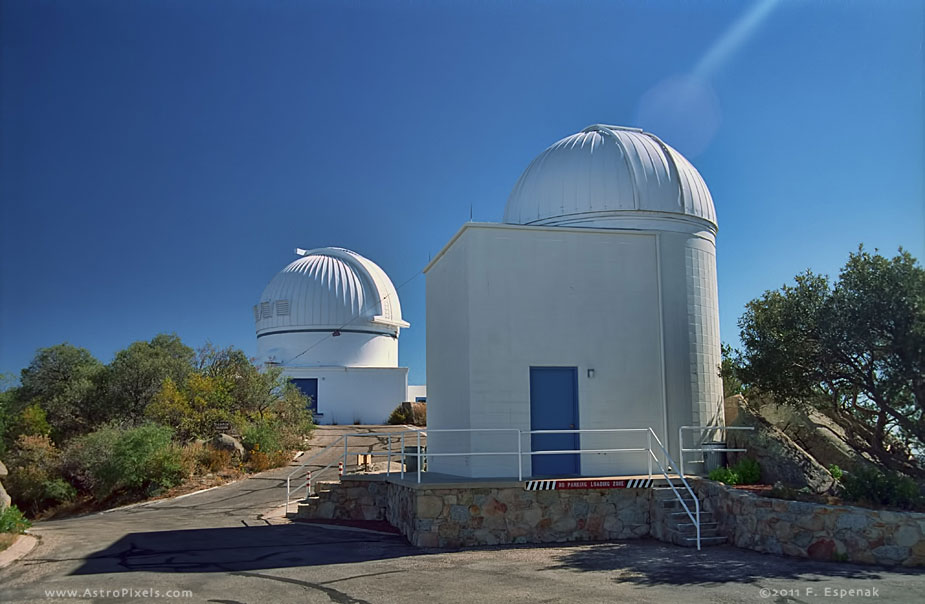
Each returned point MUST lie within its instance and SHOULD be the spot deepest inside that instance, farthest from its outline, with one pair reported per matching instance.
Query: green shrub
(872, 486)
(836, 472)
(748, 470)
(12, 521)
(724, 475)
(141, 460)
(35, 474)
(263, 435)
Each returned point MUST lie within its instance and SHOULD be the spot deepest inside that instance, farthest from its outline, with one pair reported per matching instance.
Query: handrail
(422, 457)
(340, 439)
(695, 521)
(682, 450)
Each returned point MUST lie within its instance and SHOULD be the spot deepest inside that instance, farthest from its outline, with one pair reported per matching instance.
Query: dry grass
(6, 540)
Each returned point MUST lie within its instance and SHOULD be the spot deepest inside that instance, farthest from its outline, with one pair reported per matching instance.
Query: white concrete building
(593, 306)
(331, 320)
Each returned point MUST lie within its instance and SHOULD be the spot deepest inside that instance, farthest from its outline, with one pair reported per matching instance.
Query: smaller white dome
(328, 289)
(608, 172)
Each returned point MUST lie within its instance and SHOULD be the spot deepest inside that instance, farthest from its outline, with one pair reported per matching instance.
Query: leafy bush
(140, 460)
(724, 475)
(35, 474)
(836, 472)
(871, 486)
(263, 435)
(12, 521)
(747, 471)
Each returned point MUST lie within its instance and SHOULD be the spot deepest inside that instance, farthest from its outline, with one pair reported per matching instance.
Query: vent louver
(282, 307)
(265, 312)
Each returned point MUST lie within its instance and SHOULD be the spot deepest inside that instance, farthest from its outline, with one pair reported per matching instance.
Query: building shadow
(244, 548)
(649, 562)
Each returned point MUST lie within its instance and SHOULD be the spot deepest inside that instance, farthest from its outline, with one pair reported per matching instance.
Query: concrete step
(692, 534)
(688, 528)
(667, 493)
(669, 504)
(692, 541)
(681, 517)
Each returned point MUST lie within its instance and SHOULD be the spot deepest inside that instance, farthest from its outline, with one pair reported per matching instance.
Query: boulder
(228, 443)
(820, 435)
(781, 459)
(5, 500)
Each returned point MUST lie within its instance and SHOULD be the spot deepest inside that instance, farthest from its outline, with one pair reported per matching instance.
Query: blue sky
(160, 160)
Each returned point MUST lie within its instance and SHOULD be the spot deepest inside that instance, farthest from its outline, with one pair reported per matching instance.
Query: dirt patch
(758, 489)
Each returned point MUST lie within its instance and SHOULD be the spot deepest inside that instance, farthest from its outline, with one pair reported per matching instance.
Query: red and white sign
(590, 483)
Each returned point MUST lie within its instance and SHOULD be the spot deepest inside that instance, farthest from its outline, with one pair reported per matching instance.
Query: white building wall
(503, 298)
(355, 395)
(447, 340)
(319, 348)
(416, 391)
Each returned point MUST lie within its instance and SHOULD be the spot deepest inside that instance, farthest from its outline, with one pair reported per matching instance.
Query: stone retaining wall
(465, 516)
(441, 517)
(808, 530)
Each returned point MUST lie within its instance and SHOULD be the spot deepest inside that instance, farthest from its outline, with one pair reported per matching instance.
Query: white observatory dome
(605, 174)
(329, 292)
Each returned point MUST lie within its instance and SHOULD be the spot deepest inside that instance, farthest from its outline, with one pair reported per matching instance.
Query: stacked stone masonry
(808, 530)
(429, 516)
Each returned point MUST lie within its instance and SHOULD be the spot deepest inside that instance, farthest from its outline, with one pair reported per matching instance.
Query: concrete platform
(436, 479)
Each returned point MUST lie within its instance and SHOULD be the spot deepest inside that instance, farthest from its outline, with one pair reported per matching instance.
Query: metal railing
(421, 457)
(682, 450)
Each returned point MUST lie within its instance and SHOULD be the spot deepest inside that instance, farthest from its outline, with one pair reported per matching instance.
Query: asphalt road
(219, 546)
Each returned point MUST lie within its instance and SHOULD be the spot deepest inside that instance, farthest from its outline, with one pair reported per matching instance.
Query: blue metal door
(309, 387)
(554, 406)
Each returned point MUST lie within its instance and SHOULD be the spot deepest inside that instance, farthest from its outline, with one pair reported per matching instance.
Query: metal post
(681, 450)
(649, 446)
(346, 438)
(419, 457)
(520, 457)
(308, 484)
(287, 494)
(403, 455)
(388, 465)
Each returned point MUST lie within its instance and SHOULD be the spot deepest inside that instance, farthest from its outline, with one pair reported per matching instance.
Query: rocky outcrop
(5, 500)
(228, 443)
(781, 459)
(821, 436)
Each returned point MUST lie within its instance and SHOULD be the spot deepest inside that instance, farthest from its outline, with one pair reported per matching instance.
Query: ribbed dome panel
(608, 170)
(329, 288)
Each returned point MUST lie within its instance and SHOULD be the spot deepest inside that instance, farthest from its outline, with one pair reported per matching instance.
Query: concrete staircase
(671, 523)
(320, 505)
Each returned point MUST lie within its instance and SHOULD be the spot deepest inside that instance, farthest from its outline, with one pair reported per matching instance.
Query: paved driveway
(216, 546)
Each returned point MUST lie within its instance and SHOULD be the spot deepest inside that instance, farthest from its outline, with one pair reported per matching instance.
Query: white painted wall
(503, 298)
(416, 391)
(320, 348)
(349, 395)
